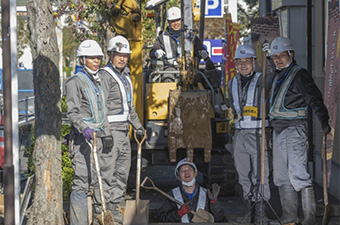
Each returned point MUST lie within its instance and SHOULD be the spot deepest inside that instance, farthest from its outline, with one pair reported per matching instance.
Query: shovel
(137, 211)
(326, 215)
(105, 218)
(201, 216)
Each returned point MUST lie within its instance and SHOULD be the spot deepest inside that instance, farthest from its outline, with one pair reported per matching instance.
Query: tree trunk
(47, 207)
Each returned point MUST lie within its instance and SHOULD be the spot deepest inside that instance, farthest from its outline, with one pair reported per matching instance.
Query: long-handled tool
(137, 211)
(201, 216)
(326, 214)
(105, 218)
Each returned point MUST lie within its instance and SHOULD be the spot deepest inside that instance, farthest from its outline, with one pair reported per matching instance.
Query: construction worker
(192, 196)
(245, 94)
(167, 45)
(86, 112)
(293, 90)
(118, 90)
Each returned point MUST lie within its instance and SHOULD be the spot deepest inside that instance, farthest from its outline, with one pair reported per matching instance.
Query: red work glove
(184, 209)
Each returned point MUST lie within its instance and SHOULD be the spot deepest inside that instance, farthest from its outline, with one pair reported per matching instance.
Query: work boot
(308, 206)
(289, 203)
(249, 215)
(258, 211)
(116, 212)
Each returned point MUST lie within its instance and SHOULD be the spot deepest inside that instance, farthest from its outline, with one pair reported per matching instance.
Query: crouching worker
(192, 196)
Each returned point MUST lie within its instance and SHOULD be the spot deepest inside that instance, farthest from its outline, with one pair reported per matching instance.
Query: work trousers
(290, 157)
(85, 176)
(122, 161)
(247, 157)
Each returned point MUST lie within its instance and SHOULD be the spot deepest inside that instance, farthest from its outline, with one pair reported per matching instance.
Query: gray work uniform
(293, 90)
(118, 91)
(81, 89)
(245, 101)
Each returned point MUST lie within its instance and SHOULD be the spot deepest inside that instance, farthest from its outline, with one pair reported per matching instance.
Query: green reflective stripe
(278, 110)
(97, 119)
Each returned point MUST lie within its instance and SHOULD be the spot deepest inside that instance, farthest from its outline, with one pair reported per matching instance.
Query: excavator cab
(185, 105)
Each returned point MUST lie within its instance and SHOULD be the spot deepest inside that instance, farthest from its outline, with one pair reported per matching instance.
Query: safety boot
(308, 206)
(249, 216)
(260, 213)
(289, 203)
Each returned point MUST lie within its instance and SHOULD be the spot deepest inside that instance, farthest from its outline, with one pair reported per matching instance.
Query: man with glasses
(118, 91)
(244, 92)
(293, 90)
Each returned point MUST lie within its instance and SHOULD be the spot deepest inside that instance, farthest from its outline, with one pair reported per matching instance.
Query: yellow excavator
(184, 116)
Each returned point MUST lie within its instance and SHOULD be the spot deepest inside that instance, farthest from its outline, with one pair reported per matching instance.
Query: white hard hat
(119, 44)
(184, 162)
(244, 51)
(174, 13)
(281, 44)
(89, 48)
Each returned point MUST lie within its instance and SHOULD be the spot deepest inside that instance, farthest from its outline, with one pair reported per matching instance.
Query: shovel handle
(99, 177)
(140, 142)
(159, 190)
(324, 170)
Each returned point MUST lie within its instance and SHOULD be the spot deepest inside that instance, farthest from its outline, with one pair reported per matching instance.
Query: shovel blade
(136, 215)
(106, 219)
(203, 216)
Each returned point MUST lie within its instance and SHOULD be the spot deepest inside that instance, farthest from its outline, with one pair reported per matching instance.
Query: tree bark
(47, 207)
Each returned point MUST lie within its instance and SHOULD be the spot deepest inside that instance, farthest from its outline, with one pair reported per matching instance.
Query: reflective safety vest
(201, 201)
(124, 114)
(249, 115)
(96, 99)
(277, 109)
(170, 56)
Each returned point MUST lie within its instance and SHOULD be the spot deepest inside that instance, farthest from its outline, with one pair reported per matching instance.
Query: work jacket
(86, 104)
(246, 102)
(298, 89)
(118, 91)
(171, 46)
(168, 212)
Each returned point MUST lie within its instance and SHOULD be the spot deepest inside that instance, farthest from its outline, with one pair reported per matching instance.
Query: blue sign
(214, 8)
(214, 47)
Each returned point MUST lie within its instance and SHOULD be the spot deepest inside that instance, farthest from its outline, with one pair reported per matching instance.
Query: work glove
(107, 142)
(88, 133)
(140, 131)
(326, 128)
(266, 48)
(159, 53)
(204, 54)
(213, 193)
(184, 209)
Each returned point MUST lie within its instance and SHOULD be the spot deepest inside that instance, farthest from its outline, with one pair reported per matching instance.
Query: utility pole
(10, 93)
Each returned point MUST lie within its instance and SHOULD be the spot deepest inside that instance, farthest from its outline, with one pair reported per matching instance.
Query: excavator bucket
(189, 123)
